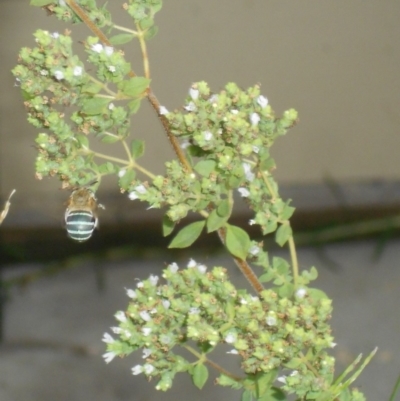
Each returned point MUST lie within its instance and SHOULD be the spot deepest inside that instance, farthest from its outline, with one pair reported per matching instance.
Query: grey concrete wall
(335, 61)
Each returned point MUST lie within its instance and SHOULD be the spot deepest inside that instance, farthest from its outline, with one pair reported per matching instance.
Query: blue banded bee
(81, 214)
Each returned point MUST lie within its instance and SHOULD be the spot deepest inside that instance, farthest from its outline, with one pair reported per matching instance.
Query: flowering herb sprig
(280, 332)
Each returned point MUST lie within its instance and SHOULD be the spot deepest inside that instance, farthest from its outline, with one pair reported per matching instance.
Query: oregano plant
(279, 331)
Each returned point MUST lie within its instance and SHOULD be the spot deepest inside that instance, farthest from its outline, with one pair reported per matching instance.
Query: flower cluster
(202, 306)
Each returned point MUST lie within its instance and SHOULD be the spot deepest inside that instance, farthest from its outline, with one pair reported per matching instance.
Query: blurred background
(336, 62)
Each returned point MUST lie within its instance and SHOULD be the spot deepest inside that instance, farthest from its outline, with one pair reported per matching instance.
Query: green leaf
(94, 105)
(267, 164)
(264, 381)
(146, 23)
(91, 87)
(126, 180)
(83, 141)
(151, 32)
(110, 138)
(237, 241)
(287, 212)
(167, 226)
(40, 3)
(247, 395)
(200, 375)
(274, 394)
(283, 233)
(137, 148)
(121, 39)
(187, 235)
(134, 87)
(226, 381)
(134, 105)
(224, 208)
(214, 221)
(205, 167)
(315, 293)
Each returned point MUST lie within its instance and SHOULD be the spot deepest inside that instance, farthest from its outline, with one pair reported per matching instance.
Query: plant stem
(243, 266)
(295, 263)
(211, 363)
(143, 48)
(104, 86)
(125, 145)
(122, 28)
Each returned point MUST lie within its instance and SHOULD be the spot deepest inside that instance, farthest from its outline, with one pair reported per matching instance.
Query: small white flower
(247, 172)
(194, 311)
(61, 3)
(43, 72)
(133, 195)
(163, 110)
(146, 353)
(173, 267)
(153, 311)
(112, 68)
(153, 279)
(121, 172)
(17, 82)
(255, 119)
(55, 35)
(256, 149)
(194, 93)
(202, 268)
(234, 111)
(207, 135)
(244, 192)
(166, 304)
(111, 106)
(192, 263)
(185, 144)
(190, 107)
(120, 316)
(252, 222)
(281, 379)
(148, 369)
(98, 48)
(108, 50)
(58, 74)
(301, 293)
(117, 330)
(230, 338)
(145, 316)
(243, 301)
(109, 356)
(262, 101)
(254, 250)
(137, 370)
(213, 98)
(139, 284)
(271, 320)
(146, 331)
(77, 71)
(107, 338)
(233, 352)
(332, 345)
(165, 339)
(141, 189)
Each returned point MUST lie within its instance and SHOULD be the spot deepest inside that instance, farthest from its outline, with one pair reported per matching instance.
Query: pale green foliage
(281, 335)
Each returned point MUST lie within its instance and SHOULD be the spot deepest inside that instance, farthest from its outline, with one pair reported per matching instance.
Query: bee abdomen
(80, 225)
